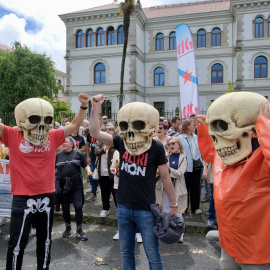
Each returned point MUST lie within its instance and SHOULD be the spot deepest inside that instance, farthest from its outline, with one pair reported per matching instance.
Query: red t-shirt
(32, 168)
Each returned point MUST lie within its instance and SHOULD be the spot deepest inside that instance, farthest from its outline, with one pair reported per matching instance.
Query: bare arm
(87, 169)
(1, 129)
(168, 186)
(94, 127)
(87, 151)
(78, 119)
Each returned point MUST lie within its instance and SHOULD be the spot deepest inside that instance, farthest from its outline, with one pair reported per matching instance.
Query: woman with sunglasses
(161, 135)
(177, 165)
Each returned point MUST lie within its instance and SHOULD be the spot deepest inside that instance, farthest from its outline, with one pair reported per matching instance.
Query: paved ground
(100, 252)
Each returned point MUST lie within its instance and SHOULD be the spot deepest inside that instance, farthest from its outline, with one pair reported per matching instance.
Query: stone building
(231, 39)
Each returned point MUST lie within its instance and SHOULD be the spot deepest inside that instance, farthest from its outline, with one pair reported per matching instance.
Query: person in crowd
(161, 135)
(79, 141)
(85, 124)
(104, 154)
(177, 165)
(56, 125)
(208, 174)
(136, 192)
(104, 122)
(174, 130)
(69, 164)
(91, 159)
(193, 175)
(33, 188)
(3, 151)
(64, 122)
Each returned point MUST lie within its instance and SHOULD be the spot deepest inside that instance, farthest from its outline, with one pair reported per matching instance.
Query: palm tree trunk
(126, 23)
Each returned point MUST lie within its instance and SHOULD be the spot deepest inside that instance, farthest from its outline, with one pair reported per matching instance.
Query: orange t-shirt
(32, 168)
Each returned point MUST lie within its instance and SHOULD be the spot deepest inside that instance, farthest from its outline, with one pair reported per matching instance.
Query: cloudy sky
(36, 23)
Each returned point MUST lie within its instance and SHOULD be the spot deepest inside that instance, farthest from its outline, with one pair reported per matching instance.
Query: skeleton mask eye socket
(48, 120)
(138, 125)
(34, 119)
(123, 126)
(219, 126)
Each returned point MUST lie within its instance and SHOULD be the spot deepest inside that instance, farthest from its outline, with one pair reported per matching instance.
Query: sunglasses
(161, 128)
(172, 143)
(109, 129)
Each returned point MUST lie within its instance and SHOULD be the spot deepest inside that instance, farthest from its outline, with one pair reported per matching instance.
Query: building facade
(231, 39)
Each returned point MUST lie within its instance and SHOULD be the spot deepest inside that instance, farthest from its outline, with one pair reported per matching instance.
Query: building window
(159, 42)
(269, 27)
(100, 73)
(159, 76)
(172, 41)
(120, 35)
(260, 67)
(160, 107)
(201, 38)
(100, 37)
(217, 73)
(79, 39)
(216, 37)
(110, 36)
(90, 38)
(106, 108)
(259, 27)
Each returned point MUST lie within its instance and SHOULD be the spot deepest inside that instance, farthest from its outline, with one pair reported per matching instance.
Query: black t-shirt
(69, 165)
(79, 140)
(137, 182)
(92, 142)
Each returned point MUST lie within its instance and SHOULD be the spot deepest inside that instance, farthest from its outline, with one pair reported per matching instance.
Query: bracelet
(84, 108)
(174, 206)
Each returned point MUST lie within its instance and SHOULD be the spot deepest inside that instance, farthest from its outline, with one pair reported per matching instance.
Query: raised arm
(1, 129)
(78, 119)
(94, 127)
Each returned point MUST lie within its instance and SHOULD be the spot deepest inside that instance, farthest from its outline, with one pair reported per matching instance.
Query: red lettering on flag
(188, 110)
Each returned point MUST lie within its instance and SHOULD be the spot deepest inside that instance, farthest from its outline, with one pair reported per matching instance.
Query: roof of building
(183, 9)
(5, 48)
(172, 10)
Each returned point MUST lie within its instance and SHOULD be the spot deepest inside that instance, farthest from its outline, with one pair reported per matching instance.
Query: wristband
(174, 206)
(84, 108)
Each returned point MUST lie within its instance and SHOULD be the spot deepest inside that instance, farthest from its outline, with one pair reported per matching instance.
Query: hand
(84, 99)
(97, 100)
(200, 119)
(90, 173)
(174, 211)
(88, 159)
(105, 148)
(265, 109)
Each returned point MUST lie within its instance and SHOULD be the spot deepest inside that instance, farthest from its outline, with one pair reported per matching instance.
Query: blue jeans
(93, 183)
(128, 221)
(212, 211)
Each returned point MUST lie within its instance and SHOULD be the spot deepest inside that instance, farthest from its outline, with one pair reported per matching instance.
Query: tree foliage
(25, 74)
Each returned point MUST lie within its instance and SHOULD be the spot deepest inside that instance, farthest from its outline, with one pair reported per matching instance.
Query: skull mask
(138, 124)
(34, 116)
(231, 119)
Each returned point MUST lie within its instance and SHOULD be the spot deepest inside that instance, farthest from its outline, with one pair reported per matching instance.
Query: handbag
(95, 175)
(197, 164)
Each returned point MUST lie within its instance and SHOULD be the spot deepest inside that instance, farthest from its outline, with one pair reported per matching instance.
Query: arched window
(90, 38)
(79, 39)
(259, 27)
(100, 73)
(110, 36)
(216, 37)
(159, 76)
(260, 67)
(269, 27)
(217, 73)
(120, 35)
(159, 42)
(201, 38)
(100, 37)
(172, 41)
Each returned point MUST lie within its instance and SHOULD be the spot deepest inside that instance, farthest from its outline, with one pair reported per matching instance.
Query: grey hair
(72, 141)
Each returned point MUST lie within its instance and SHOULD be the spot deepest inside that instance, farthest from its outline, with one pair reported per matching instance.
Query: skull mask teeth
(34, 117)
(231, 119)
(138, 124)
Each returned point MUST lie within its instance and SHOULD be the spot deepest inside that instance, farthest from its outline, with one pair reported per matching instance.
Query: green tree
(25, 74)
(126, 9)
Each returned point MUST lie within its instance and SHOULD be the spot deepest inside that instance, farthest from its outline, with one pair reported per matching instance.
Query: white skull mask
(138, 124)
(34, 116)
(231, 119)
